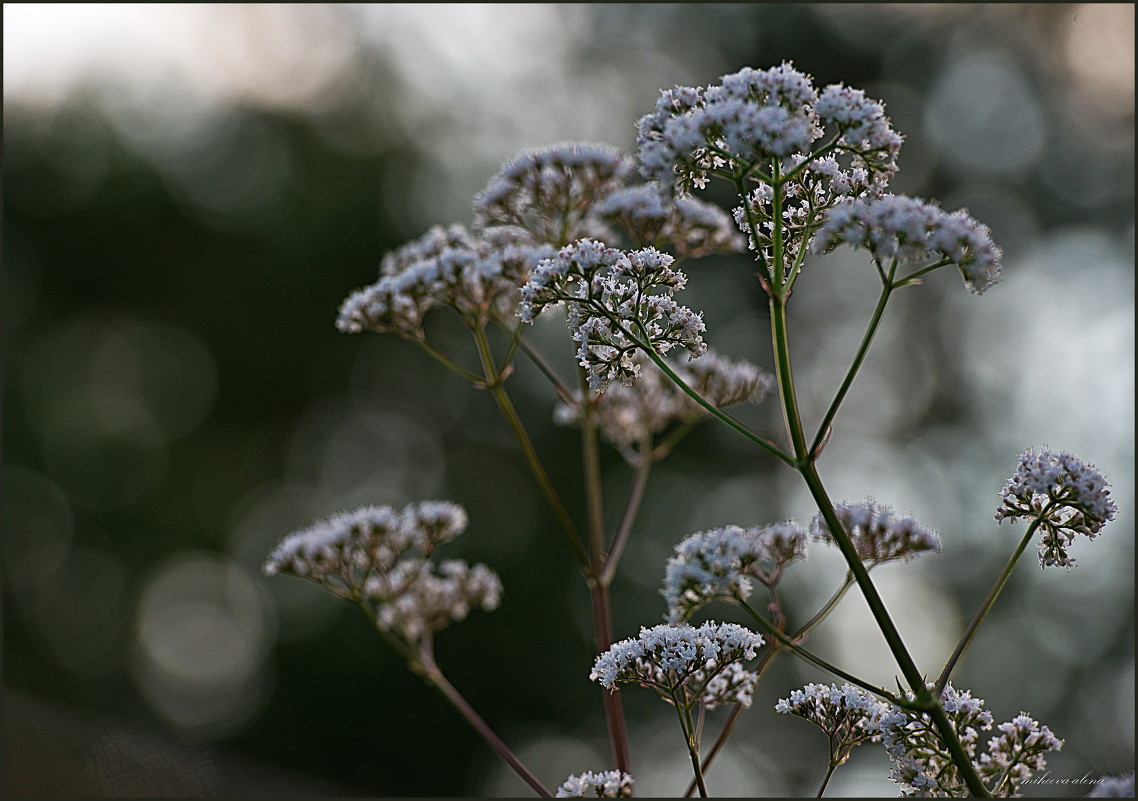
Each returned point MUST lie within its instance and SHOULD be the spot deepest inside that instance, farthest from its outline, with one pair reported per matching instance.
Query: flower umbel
(627, 415)
(1067, 495)
(380, 557)
(848, 715)
(550, 192)
(681, 663)
(905, 229)
(618, 303)
(721, 563)
(606, 784)
(924, 767)
(475, 276)
(753, 118)
(1015, 753)
(651, 217)
(876, 534)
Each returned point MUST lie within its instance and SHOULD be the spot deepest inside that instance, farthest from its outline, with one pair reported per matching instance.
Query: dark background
(189, 193)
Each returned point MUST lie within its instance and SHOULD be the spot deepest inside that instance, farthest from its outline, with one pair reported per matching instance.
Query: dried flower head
(379, 556)
(911, 230)
(721, 563)
(848, 715)
(876, 534)
(606, 784)
(550, 192)
(1067, 495)
(618, 303)
(627, 416)
(681, 663)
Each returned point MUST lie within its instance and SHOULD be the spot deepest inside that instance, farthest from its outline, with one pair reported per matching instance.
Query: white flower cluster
(606, 784)
(733, 684)
(476, 276)
(720, 564)
(690, 227)
(1073, 493)
(1015, 753)
(848, 715)
(820, 184)
(684, 664)
(418, 597)
(753, 117)
(864, 130)
(626, 415)
(381, 556)
(550, 192)
(617, 302)
(876, 534)
(922, 763)
(908, 229)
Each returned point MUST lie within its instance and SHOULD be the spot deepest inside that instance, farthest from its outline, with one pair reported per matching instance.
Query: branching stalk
(494, 384)
(786, 642)
(436, 679)
(806, 467)
(632, 507)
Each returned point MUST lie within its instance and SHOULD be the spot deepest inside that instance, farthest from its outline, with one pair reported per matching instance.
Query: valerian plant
(568, 227)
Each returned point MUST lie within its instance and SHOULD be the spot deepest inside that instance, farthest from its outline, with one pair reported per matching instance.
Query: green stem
(515, 341)
(715, 411)
(786, 642)
(693, 747)
(889, 630)
(826, 780)
(863, 349)
(494, 384)
(960, 757)
(986, 606)
(826, 609)
(912, 277)
(777, 252)
(864, 582)
(764, 270)
(806, 467)
(447, 362)
(786, 380)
